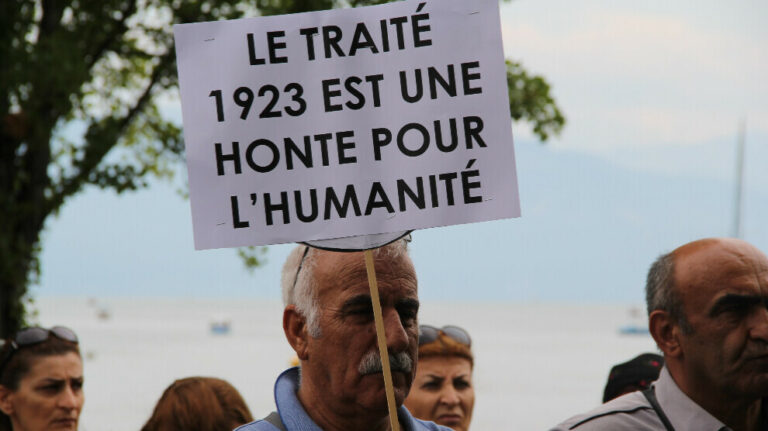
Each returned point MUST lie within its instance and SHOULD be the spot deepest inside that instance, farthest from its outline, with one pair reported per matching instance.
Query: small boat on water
(638, 325)
(633, 330)
(220, 326)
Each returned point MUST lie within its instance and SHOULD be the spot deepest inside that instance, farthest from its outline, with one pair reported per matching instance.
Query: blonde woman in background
(442, 390)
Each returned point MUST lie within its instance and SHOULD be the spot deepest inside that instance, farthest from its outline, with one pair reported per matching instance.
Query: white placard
(346, 122)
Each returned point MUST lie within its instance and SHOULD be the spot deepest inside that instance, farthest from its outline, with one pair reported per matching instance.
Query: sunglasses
(35, 335)
(406, 238)
(301, 263)
(428, 334)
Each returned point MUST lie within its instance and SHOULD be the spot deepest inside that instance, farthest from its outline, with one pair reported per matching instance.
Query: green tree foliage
(529, 100)
(107, 64)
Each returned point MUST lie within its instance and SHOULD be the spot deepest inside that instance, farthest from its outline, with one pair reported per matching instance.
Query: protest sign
(346, 122)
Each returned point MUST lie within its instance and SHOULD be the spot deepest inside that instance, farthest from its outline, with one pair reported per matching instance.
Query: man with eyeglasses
(328, 320)
(708, 313)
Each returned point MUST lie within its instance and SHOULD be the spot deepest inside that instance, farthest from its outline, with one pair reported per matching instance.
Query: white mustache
(371, 363)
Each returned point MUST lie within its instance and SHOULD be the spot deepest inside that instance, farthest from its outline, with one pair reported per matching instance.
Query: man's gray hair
(661, 292)
(299, 284)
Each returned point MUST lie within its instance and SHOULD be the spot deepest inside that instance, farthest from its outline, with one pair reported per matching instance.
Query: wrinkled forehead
(719, 264)
(63, 365)
(339, 271)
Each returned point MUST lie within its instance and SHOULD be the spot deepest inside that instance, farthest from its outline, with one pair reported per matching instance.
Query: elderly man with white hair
(328, 320)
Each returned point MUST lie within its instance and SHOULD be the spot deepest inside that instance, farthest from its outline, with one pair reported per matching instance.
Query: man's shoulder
(258, 425)
(630, 412)
(263, 425)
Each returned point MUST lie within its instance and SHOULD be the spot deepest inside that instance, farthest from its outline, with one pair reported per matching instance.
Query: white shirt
(633, 412)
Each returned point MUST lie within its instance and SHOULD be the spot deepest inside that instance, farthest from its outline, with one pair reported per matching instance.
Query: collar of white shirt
(683, 413)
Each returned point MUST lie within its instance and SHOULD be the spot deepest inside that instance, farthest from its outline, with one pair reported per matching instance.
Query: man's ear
(295, 328)
(6, 406)
(665, 330)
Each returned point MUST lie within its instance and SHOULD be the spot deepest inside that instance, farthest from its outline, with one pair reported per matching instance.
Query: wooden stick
(382, 339)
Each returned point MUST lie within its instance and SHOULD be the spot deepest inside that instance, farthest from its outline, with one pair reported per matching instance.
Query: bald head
(691, 265)
(710, 268)
(700, 261)
(711, 321)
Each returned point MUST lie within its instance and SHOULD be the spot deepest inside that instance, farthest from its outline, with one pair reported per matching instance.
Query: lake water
(535, 365)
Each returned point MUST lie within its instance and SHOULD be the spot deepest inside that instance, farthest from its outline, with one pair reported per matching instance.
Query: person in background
(328, 321)
(442, 391)
(41, 380)
(636, 374)
(708, 313)
(200, 404)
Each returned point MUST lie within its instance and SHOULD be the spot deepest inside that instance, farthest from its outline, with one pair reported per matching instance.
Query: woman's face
(442, 392)
(49, 396)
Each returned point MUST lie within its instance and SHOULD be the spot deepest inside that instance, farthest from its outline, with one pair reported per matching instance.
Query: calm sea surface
(535, 365)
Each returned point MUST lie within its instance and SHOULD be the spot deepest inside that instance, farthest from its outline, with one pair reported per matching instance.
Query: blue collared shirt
(295, 418)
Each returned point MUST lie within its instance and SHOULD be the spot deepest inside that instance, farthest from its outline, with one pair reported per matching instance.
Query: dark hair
(661, 292)
(199, 403)
(21, 362)
(635, 374)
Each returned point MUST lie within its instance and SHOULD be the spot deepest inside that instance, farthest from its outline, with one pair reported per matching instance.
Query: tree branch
(101, 137)
(118, 29)
(52, 12)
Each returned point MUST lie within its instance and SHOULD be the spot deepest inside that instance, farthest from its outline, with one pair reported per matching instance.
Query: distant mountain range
(591, 226)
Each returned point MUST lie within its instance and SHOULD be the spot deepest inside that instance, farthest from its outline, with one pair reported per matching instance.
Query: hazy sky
(653, 92)
(650, 73)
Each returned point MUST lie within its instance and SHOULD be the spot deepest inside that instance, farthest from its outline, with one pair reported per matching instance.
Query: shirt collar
(683, 412)
(294, 416)
(289, 407)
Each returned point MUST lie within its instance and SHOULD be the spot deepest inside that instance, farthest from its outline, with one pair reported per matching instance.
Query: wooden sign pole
(382, 339)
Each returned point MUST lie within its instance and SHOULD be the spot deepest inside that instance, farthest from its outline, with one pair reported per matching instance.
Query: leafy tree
(107, 64)
(529, 100)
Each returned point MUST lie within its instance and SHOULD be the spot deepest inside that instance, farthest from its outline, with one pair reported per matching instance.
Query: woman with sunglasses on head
(442, 390)
(41, 380)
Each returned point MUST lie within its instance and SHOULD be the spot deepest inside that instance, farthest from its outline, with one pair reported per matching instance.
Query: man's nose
(397, 337)
(758, 328)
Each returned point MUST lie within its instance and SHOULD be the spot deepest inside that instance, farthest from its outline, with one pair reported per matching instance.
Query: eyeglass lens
(64, 333)
(31, 336)
(36, 335)
(428, 334)
(457, 334)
